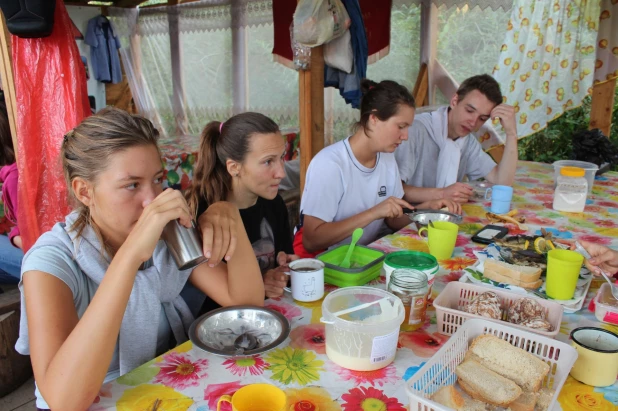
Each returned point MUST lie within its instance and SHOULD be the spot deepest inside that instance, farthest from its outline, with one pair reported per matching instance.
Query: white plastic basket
(456, 295)
(440, 369)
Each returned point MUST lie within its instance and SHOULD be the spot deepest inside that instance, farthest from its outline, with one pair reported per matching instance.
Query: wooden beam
(496, 153)
(311, 115)
(429, 46)
(8, 82)
(421, 86)
(602, 106)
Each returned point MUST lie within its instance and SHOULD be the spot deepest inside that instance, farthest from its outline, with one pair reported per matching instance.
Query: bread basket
(456, 295)
(440, 369)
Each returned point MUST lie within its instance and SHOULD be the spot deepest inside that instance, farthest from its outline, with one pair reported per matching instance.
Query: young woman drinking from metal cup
(100, 291)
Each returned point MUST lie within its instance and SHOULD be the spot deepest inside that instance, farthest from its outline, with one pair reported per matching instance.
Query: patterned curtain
(607, 42)
(547, 61)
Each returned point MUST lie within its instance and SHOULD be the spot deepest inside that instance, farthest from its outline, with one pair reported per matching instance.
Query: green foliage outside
(554, 142)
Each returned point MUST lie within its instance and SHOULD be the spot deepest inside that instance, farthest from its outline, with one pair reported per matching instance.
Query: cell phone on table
(489, 234)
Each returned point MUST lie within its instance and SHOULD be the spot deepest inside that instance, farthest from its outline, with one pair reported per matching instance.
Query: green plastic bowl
(366, 265)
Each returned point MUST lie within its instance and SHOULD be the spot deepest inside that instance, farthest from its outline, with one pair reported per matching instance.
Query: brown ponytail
(221, 142)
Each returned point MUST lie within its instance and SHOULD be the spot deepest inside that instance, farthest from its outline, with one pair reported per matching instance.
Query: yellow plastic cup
(441, 239)
(563, 268)
(256, 397)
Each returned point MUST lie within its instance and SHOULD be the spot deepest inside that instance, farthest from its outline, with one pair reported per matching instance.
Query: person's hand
(458, 192)
(274, 281)
(17, 242)
(452, 206)
(392, 207)
(506, 114)
(167, 206)
(602, 257)
(284, 259)
(218, 225)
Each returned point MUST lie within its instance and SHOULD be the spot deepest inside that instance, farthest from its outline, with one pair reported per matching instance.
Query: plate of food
(518, 263)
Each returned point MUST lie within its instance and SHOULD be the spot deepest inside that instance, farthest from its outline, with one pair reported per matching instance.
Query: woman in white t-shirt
(100, 290)
(355, 182)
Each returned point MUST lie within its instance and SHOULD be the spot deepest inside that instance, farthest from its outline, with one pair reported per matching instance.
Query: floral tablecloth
(179, 154)
(188, 379)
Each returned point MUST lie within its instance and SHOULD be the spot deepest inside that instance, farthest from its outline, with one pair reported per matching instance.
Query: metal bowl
(239, 331)
(422, 217)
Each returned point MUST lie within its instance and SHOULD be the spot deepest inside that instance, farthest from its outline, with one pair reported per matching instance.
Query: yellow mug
(256, 397)
(597, 356)
(441, 239)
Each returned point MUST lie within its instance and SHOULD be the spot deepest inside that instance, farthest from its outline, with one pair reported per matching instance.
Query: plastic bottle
(571, 190)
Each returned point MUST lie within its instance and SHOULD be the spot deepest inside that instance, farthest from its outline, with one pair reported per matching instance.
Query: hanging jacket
(104, 45)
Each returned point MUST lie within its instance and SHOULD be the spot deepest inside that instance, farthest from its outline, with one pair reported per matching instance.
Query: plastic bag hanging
(52, 98)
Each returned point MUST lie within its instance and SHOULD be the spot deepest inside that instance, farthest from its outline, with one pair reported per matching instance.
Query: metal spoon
(582, 251)
(431, 224)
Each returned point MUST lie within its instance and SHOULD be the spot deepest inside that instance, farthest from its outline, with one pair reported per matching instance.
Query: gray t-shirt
(56, 262)
(417, 158)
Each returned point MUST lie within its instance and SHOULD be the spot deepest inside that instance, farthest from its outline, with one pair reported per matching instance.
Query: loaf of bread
(519, 275)
(486, 304)
(450, 397)
(508, 361)
(545, 396)
(525, 309)
(485, 385)
(525, 402)
(537, 323)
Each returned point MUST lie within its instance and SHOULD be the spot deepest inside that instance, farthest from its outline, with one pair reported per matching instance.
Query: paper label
(489, 233)
(384, 347)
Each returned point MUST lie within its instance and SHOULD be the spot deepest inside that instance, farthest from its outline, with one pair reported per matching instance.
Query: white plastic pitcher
(362, 327)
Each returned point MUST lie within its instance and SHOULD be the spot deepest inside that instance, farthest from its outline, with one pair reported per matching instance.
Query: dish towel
(436, 124)
(159, 284)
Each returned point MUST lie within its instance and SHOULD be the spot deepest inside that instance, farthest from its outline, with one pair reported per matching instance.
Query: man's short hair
(484, 83)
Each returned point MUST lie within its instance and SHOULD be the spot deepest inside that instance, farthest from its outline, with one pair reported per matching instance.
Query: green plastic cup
(563, 268)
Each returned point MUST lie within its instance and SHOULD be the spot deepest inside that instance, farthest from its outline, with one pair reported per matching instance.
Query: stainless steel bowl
(239, 331)
(422, 217)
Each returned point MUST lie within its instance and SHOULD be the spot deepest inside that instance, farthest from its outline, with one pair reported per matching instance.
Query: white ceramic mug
(307, 279)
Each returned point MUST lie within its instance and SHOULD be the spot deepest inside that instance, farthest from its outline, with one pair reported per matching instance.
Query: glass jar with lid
(571, 190)
(411, 287)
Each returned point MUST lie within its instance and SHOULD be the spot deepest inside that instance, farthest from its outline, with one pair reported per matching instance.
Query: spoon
(582, 251)
(356, 235)
(431, 224)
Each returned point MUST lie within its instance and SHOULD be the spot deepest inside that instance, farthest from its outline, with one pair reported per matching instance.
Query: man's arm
(504, 172)
(458, 192)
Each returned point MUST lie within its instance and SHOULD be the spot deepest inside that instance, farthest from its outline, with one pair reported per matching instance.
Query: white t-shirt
(417, 158)
(338, 186)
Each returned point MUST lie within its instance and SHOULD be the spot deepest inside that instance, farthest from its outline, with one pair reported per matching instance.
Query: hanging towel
(159, 284)
(104, 45)
(349, 84)
(436, 124)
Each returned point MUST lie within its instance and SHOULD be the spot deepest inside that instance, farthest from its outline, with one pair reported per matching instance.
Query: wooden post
(311, 115)
(421, 87)
(8, 83)
(429, 47)
(602, 106)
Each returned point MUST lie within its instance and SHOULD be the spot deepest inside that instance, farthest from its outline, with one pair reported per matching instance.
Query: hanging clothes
(104, 45)
(349, 84)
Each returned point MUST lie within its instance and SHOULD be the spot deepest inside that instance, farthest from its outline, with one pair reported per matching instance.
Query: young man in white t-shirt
(355, 183)
(441, 151)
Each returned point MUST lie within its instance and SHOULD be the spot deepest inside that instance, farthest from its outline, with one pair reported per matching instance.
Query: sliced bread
(521, 273)
(485, 385)
(525, 402)
(493, 275)
(545, 397)
(508, 361)
(449, 397)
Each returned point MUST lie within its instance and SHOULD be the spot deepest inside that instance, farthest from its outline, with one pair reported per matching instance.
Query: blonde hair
(87, 149)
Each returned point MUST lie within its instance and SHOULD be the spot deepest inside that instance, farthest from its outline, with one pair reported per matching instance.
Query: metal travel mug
(184, 244)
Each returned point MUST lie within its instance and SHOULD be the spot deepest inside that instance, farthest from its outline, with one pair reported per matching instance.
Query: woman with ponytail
(355, 182)
(241, 161)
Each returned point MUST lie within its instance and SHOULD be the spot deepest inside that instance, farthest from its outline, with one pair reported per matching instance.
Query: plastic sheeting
(52, 98)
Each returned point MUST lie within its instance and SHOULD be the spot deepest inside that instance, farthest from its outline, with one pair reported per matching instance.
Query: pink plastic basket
(456, 295)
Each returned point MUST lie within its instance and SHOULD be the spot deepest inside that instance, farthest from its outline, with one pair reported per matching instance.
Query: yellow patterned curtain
(547, 61)
(607, 42)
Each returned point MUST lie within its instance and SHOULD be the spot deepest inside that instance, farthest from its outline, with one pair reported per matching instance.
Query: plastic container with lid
(361, 327)
(590, 170)
(606, 306)
(571, 190)
(416, 260)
